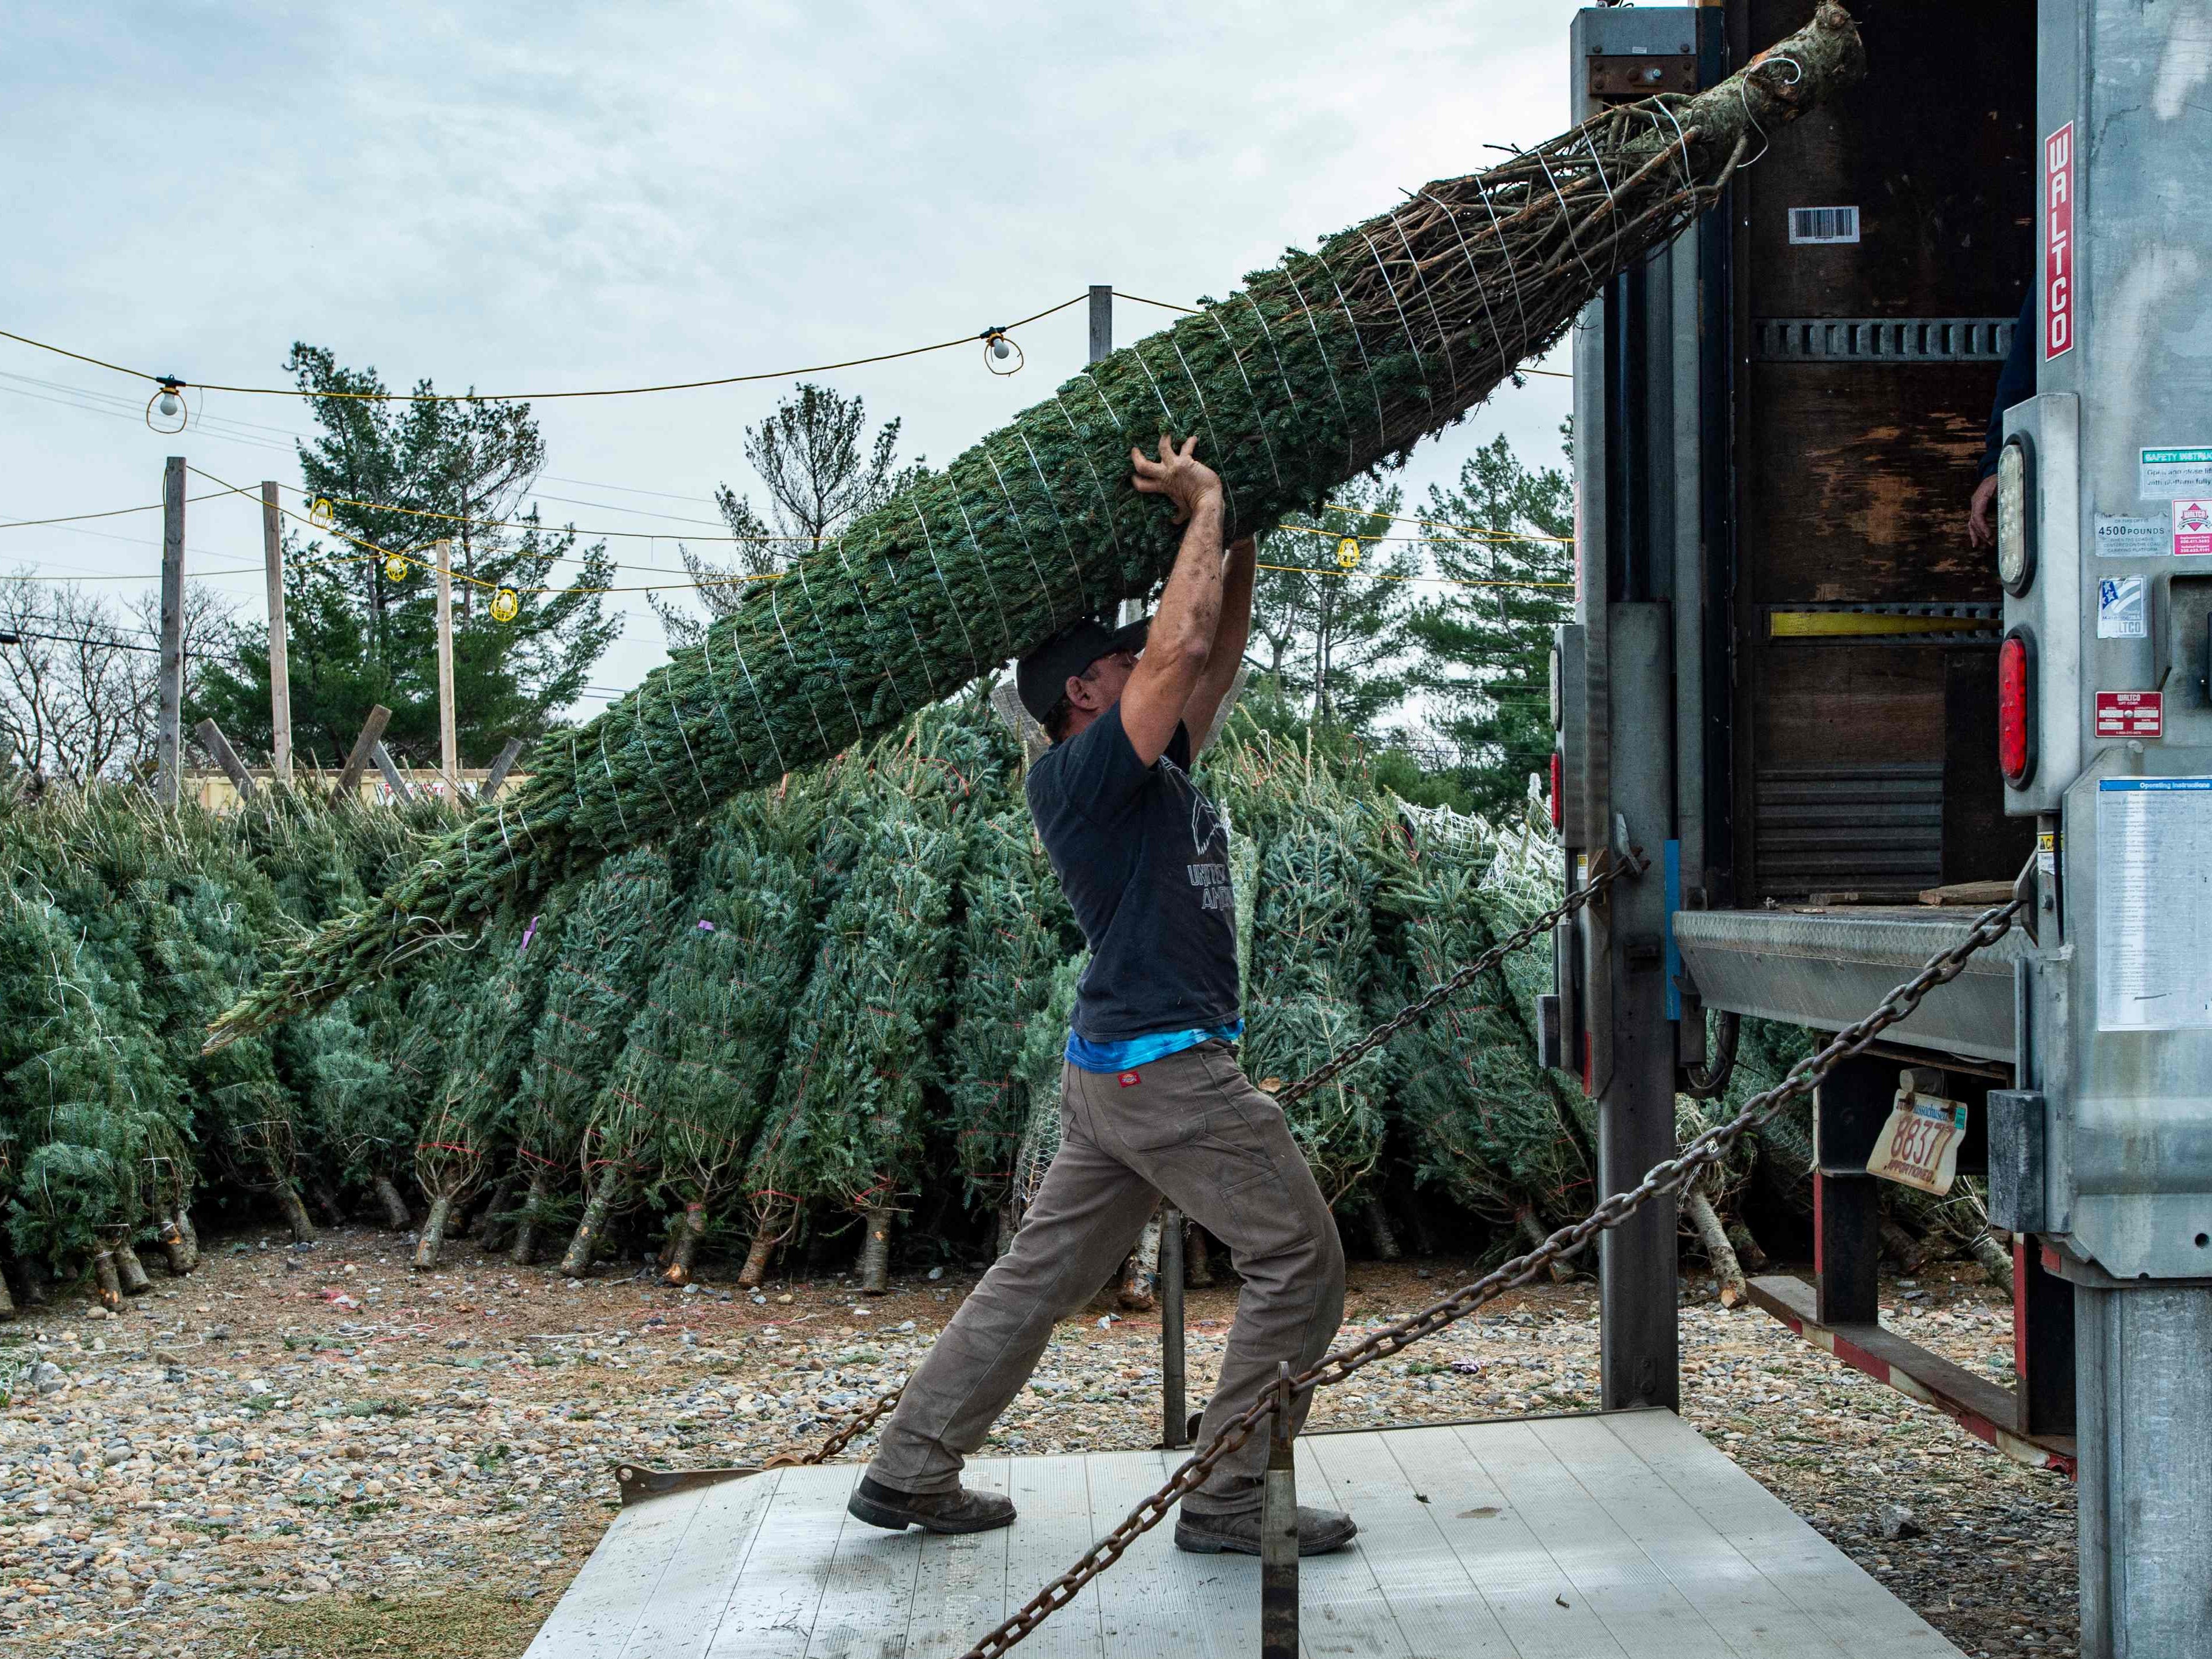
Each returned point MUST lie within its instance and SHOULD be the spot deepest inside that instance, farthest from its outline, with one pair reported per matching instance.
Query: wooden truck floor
(1615, 1534)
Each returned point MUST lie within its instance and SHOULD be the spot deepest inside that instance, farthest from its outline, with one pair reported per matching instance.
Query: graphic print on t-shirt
(1212, 879)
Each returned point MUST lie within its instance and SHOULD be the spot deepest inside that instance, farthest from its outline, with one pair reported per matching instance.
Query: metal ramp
(1622, 1534)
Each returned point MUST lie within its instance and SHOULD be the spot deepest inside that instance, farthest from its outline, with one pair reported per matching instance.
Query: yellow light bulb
(395, 567)
(505, 605)
(1347, 553)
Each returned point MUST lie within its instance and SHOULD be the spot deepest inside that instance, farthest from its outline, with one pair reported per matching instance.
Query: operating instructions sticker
(2153, 904)
(2166, 473)
(2122, 613)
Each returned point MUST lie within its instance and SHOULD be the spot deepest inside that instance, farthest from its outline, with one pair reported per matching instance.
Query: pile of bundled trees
(830, 1013)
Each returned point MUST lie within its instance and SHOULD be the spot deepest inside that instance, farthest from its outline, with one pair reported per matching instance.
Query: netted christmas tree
(848, 1127)
(1320, 368)
(1013, 933)
(1312, 942)
(607, 950)
(468, 1134)
(697, 1063)
(1501, 1136)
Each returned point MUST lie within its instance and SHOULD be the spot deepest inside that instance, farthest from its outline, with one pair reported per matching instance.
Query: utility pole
(448, 758)
(167, 737)
(280, 682)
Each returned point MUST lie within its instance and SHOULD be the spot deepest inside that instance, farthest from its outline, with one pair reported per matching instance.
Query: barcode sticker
(1824, 224)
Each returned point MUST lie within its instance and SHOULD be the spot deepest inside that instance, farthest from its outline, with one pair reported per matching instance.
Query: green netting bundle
(700, 1059)
(1501, 1136)
(609, 946)
(1312, 946)
(1014, 932)
(1321, 366)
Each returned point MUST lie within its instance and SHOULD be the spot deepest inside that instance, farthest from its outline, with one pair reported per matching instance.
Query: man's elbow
(1185, 653)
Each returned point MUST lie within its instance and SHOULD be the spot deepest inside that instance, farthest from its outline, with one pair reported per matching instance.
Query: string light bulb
(321, 514)
(505, 605)
(1347, 553)
(997, 348)
(168, 404)
(395, 567)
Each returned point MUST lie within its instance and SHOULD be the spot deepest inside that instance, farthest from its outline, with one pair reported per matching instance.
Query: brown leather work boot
(958, 1510)
(1320, 1531)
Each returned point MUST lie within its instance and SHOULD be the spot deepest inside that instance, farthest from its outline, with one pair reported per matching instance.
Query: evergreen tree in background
(696, 1064)
(608, 949)
(356, 637)
(1015, 929)
(821, 469)
(1328, 635)
(1484, 651)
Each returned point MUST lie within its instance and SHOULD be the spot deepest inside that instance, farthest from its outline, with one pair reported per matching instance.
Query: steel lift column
(1626, 721)
(2104, 1150)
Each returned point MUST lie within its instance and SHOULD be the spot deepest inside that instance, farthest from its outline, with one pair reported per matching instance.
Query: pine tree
(1326, 624)
(607, 950)
(1486, 647)
(1013, 935)
(706, 1044)
(1312, 942)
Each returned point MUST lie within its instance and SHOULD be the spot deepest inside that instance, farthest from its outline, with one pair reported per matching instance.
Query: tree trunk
(7, 1301)
(395, 1207)
(1380, 1239)
(577, 1259)
(103, 1269)
(526, 1225)
(876, 1252)
(1747, 1249)
(191, 1238)
(433, 1236)
(174, 1251)
(326, 1205)
(1909, 1253)
(684, 1234)
(767, 1235)
(131, 1269)
(1533, 1231)
(294, 1213)
(485, 1220)
(1718, 1251)
(1995, 1259)
(1197, 1267)
(1007, 1222)
(1140, 1273)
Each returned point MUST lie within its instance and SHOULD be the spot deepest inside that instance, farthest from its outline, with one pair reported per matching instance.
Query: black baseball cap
(1041, 677)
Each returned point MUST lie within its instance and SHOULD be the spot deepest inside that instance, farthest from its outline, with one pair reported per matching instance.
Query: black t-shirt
(1144, 860)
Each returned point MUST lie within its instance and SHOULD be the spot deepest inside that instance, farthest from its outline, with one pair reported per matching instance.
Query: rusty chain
(1988, 927)
(1606, 869)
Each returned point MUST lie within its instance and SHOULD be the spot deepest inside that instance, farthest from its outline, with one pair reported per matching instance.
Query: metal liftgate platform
(1570, 1537)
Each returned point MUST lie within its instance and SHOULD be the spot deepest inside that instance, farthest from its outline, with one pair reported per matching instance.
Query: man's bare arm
(1180, 642)
(1230, 634)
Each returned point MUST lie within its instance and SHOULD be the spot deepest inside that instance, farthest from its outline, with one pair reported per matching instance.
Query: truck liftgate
(1790, 667)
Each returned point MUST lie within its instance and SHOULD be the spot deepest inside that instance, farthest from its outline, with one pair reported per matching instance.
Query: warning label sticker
(2130, 714)
(2193, 526)
(2121, 611)
(2122, 536)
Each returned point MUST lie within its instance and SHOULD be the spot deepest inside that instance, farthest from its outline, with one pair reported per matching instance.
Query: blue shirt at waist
(1133, 1052)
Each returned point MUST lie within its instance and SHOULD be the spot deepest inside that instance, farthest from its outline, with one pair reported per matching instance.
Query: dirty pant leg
(1219, 1150)
(1086, 1215)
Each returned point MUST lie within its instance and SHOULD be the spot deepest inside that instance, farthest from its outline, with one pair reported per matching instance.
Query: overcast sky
(549, 197)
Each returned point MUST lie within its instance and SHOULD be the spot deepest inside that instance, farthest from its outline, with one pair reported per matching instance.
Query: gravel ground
(314, 1452)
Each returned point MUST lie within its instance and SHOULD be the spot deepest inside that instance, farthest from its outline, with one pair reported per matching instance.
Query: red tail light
(2016, 708)
(1555, 789)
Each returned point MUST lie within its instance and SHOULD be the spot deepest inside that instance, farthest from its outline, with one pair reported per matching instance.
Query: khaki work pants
(1191, 1128)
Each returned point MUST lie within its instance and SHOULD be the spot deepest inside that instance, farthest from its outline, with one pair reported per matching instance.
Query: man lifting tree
(1152, 1101)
